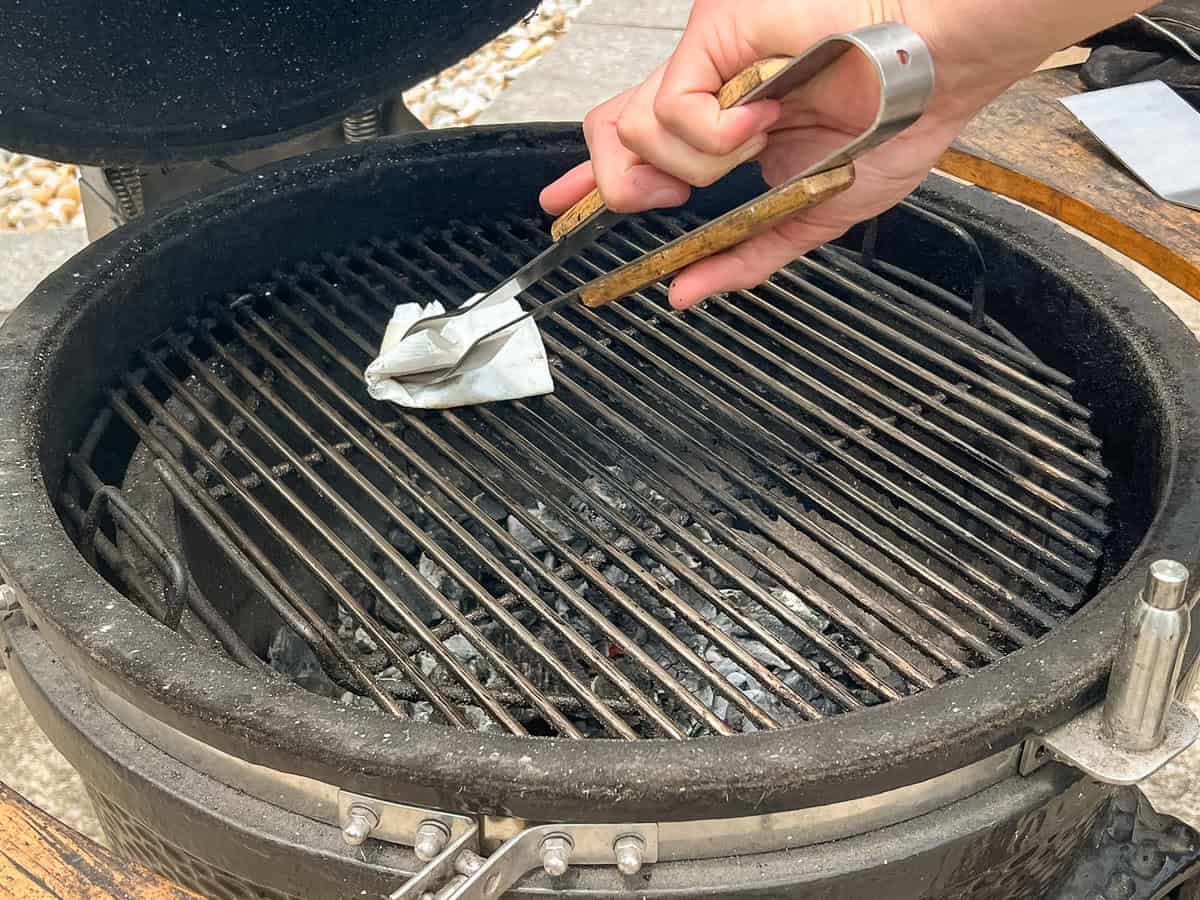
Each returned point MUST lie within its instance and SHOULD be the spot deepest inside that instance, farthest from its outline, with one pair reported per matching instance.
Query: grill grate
(823, 494)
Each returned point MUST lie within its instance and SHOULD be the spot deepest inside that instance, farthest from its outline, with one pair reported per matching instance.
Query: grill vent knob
(629, 850)
(430, 839)
(556, 855)
(359, 825)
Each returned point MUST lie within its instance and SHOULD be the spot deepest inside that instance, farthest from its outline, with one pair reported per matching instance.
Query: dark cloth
(1133, 52)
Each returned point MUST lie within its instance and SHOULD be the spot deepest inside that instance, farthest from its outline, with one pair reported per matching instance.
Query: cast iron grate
(823, 494)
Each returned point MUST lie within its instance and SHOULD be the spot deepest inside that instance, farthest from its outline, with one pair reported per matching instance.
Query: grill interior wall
(799, 500)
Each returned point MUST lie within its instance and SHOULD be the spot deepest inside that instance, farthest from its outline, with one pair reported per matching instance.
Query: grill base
(1020, 839)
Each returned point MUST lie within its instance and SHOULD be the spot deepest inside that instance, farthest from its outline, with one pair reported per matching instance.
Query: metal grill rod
(964, 374)
(595, 617)
(976, 308)
(498, 610)
(936, 360)
(803, 524)
(841, 426)
(551, 436)
(778, 609)
(431, 547)
(708, 397)
(379, 634)
(840, 265)
(123, 568)
(934, 406)
(413, 622)
(820, 441)
(698, 663)
(302, 619)
(729, 646)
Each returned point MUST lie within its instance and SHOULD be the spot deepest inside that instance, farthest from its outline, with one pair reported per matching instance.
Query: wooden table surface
(42, 859)
(1027, 146)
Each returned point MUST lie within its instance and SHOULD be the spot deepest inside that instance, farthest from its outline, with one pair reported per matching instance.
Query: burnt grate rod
(800, 500)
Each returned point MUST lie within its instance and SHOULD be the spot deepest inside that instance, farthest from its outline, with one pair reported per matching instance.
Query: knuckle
(631, 130)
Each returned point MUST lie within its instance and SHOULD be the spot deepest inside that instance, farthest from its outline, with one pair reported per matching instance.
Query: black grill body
(1133, 367)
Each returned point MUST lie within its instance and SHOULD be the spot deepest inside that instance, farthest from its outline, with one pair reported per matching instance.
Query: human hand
(652, 143)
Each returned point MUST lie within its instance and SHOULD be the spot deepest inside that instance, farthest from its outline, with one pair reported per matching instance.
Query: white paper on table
(519, 369)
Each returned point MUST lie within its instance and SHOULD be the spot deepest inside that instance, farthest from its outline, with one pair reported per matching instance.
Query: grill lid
(156, 82)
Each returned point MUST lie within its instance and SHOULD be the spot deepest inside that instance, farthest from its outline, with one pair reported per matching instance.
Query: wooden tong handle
(720, 234)
(730, 94)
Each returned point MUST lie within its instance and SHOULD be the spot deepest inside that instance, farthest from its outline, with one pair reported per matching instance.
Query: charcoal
(553, 524)
(422, 711)
(461, 647)
(402, 541)
(524, 536)
(491, 506)
(701, 532)
(615, 576)
(363, 642)
(345, 624)
(480, 721)
(290, 656)
(611, 496)
(762, 653)
(426, 662)
(663, 575)
(439, 579)
(625, 544)
(800, 608)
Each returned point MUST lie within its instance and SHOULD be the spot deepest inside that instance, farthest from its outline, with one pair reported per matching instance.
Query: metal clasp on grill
(1142, 724)
(460, 873)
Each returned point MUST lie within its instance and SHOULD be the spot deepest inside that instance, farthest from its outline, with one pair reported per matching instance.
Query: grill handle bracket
(553, 848)
(1141, 725)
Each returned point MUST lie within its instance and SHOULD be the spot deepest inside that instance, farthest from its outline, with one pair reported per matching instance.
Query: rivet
(359, 825)
(556, 855)
(630, 850)
(430, 839)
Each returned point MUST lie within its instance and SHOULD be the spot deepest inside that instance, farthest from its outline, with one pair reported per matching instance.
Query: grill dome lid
(155, 82)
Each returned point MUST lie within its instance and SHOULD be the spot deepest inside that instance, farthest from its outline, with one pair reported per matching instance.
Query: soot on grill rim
(826, 493)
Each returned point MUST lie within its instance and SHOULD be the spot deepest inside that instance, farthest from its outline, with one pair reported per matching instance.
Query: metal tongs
(904, 67)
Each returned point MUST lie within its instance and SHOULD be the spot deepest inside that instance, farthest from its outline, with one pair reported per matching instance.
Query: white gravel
(36, 193)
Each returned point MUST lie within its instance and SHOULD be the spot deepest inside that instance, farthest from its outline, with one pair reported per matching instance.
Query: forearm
(983, 46)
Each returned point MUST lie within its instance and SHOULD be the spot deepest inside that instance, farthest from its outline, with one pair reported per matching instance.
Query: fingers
(644, 134)
(685, 102)
(558, 197)
(750, 264)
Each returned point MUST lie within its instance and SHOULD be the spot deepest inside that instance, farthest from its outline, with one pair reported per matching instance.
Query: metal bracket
(1083, 744)
(553, 847)
(394, 822)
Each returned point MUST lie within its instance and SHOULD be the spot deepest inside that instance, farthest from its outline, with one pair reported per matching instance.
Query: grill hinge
(1083, 744)
(1141, 725)
(459, 873)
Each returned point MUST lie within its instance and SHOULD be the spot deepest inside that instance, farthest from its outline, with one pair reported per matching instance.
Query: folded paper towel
(519, 369)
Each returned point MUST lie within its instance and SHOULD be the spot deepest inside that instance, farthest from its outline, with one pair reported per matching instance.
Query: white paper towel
(519, 369)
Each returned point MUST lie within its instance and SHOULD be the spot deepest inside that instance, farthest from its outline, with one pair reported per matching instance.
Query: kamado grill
(766, 599)
(812, 592)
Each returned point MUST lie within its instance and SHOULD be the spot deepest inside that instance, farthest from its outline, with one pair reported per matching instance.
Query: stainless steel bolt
(1145, 670)
(630, 850)
(361, 822)
(430, 840)
(556, 855)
